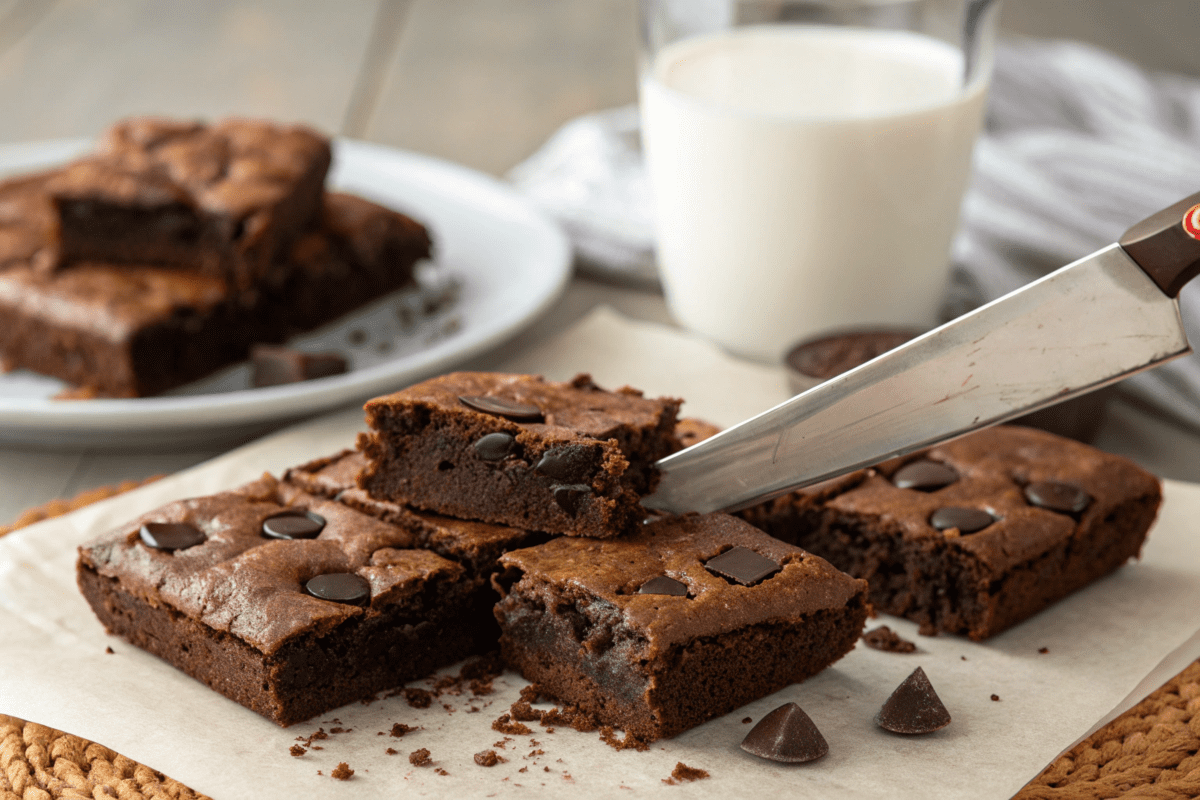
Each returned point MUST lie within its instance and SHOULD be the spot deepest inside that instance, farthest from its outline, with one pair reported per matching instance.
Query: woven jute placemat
(1151, 751)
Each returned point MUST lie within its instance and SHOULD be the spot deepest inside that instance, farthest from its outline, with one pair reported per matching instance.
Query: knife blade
(1091, 323)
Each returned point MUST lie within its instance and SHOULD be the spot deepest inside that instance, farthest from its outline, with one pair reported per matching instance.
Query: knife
(1089, 324)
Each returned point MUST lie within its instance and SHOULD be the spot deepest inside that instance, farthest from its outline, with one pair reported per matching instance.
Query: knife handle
(1167, 245)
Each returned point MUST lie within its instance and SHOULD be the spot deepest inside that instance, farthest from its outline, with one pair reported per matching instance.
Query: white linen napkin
(1079, 145)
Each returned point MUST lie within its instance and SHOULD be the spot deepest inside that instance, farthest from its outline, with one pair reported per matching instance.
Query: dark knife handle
(1167, 245)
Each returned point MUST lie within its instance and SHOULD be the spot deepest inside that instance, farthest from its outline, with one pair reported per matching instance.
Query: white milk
(806, 178)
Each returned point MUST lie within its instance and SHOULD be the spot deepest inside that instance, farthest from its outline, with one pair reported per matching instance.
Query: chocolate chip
(171, 535)
(742, 565)
(914, 707)
(571, 463)
(1066, 498)
(924, 476)
(495, 446)
(340, 587)
(570, 496)
(787, 734)
(295, 524)
(966, 520)
(510, 409)
(663, 585)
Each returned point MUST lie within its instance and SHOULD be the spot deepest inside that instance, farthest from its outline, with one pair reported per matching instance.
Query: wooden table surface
(479, 82)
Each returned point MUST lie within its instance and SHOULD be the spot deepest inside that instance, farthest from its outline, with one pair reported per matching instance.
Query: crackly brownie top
(576, 408)
(680, 578)
(113, 302)
(462, 540)
(267, 565)
(27, 222)
(233, 168)
(1006, 494)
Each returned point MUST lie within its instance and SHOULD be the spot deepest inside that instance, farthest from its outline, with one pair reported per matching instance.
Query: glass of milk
(808, 159)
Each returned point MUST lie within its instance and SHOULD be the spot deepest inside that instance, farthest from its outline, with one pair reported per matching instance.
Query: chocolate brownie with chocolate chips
(974, 536)
(518, 450)
(682, 621)
(286, 603)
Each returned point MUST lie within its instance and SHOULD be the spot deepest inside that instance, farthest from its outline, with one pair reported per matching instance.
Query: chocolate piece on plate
(274, 365)
(914, 707)
(788, 735)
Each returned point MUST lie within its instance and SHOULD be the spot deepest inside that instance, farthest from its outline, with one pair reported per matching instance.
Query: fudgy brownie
(683, 621)
(226, 199)
(126, 330)
(28, 223)
(518, 450)
(979, 534)
(288, 604)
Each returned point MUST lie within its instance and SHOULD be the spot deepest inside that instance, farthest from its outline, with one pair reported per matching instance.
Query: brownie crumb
(340, 730)
(523, 712)
(441, 771)
(746, 720)
(488, 758)
(885, 639)
(964, 658)
(480, 686)
(342, 772)
(545, 769)
(522, 769)
(420, 758)
(110, 651)
(609, 737)
(531, 693)
(1042, 650)
(391, 751)
(683, 773)
(297, 750)
(504, 724)
(418, 698)
(399, 729)
(995, 698)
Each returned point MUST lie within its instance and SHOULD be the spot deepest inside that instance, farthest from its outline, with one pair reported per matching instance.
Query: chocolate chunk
(885, 639)
(171, 535)
(742, 565)
(663, 585)
(924, 476)
(495, 446)
(787, 734)
(275, 365)
(500, 407)
(966, 520)
(340, 587)
(293, 525)
(1066, 498)
(572, 463)
(914, 707)
(569, 497)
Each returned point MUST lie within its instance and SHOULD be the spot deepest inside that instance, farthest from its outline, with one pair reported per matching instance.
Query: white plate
(511, 260)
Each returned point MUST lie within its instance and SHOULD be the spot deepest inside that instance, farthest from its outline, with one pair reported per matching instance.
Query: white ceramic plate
(510, 261)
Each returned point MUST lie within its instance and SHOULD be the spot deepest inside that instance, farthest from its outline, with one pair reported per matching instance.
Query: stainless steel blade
(1089, 324)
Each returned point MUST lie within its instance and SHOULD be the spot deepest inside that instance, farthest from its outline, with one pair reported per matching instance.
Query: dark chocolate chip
(570, 463)
(1066, 498)
(295, 524)
(569, 496)
(924, 476)
(663, 585)
(510, 409)
(495, 446)
(967, 520)
(340, 587)
(914, 707)
(742, 565)
(171, 535)
(787, 734)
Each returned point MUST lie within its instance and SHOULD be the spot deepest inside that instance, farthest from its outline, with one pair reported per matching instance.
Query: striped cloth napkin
(1079, 145)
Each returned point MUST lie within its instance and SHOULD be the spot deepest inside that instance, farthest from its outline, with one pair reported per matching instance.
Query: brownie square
(287, 627)
(518, 450)
(28, 223)
(226, 199)
(683, 621)
(974, 536)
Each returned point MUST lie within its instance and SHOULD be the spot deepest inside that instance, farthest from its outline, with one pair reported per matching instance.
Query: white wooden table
(480, 82)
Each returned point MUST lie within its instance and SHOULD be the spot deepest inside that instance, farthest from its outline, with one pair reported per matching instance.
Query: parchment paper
(1108, 646)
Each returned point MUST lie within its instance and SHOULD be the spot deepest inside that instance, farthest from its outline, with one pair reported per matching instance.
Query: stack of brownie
(170, 249)
(488, 508)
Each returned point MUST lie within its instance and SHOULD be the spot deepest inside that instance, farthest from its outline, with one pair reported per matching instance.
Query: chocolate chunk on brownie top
(286, 603)
(976, 535)
(518, 450)
(684, 620)
(227, 198)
